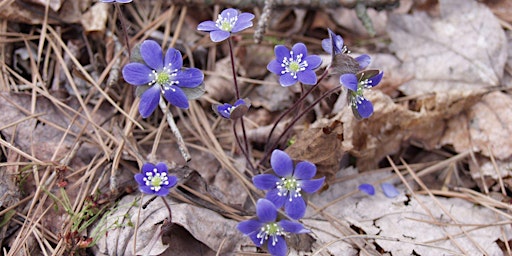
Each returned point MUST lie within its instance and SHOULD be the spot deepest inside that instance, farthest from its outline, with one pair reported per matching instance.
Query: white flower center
(289, 187)
(155, 180)
(226, 23)
(293, 65)
(272, 230)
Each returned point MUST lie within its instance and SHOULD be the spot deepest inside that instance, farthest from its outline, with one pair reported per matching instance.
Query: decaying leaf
(463, 49)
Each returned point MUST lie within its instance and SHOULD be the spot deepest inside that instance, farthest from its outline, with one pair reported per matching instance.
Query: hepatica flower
(287, 188)
(228, 22)
(334, 45)
(154, 179)
(357, 83)
(234, 111)
(295, 65)
(266, 231)
(164, 75)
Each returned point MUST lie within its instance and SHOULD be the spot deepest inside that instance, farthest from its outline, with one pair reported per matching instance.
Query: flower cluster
(228, 22)
(285, 189)
(154, 179)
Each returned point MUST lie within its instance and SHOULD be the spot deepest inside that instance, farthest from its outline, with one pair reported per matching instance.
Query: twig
(179, 139)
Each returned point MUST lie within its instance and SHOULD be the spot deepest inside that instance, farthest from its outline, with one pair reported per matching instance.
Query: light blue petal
(173, 59)
(311, 186)
(389, 190)
(281, 163)
(300, 48)
(189, 78)
(163, 191)
(275, 198)
(151, 53)
(307, 77)
(219, 35)
(149, 101)
(249, 226)
(349, 81)
(288, 80)
(367, 188)
(266, 210)
(281, 52)
(173, 180)
(304, 170)
(363, 60)
(365, 108)
(176, 97)
(137, 73)
(374, 81)
(139, 177)
(296, 208)
(279, 248)
(265, 181)
(314, 61)
(207, 26)
(275, 67)
(293, 227)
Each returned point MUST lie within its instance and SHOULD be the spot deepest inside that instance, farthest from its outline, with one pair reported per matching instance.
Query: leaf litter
(440, 95)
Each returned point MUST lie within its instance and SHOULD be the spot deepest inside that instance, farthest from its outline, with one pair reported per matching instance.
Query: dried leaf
(453, 51)
(95, 19)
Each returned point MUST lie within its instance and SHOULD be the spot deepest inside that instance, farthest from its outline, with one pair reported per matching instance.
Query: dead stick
(179, 139)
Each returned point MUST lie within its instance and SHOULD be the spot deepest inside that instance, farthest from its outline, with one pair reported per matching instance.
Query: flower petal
(190, 77)
(147, 167)
(219, 35)
(272, 195)
(146, 190)
(367, 188)
(374, 81)
(275, 67)
(288, 80)
(266, 210)
(249, 226)
(163, 191)
(161, 168)
(207, 26)
(307, 77)
(176, 97)
(281, 163)
(311, 186)
(229, 13)
(314, 61)
(223, 111)
(300, 48)
(279, 248)
(265, 181)
(256, 240)
(173, 59)
(326, 45)
(389, 190)
(295, 208)
(349, 81)
(363, 60)
(365, 108)
(149, 101)
(173, 180)
(281, 52)
(304, 170)
(136, 73)
(151, 53)
(293, 227)
(243, 22)
(139, 177)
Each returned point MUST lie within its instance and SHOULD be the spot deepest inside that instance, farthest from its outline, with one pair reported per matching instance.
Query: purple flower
(335, 42)
(234, 111)
(295, 65)
(287, 187)
(164, 75)
(367, 188)
(154, 180)
(356, 83)
(389, 190)
(229, 21)
(116, 1)
(267, 231)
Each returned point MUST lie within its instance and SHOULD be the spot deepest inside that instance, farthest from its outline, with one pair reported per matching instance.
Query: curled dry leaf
(452, 51)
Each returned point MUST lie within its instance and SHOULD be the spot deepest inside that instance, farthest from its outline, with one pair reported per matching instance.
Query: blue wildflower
(287, 187)
(234, 111)
(356, 84)
(164, 75)
(336, 43)
(266, 231)
(154, 179)
(367, 188)
(389, 190)
(295, 65)
(228, 22)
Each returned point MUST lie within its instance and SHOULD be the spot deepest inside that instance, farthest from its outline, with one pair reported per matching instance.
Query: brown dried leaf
(33, 13)
(485, 128)
(95, 19)
(453, 51)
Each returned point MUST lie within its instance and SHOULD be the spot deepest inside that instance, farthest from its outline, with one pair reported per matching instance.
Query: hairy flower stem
(179, 139)
(293, 107)
(237, 94)
(168, 208)
(123, 27)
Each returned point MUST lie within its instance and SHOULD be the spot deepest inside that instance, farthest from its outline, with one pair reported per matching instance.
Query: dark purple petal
(190, 77)
(275, 198)
(288, 80)
(176, 97)
(307, 77)
(281, 163)
(275, 67)
(389, 190)
(296, 208)
(149, 101)
(136, 73)
(363, 60)
(311, 186)
(139, 177)
(293, 227)
(304, 170)
(279, 248)
(147, 167)
(365, 108)
(281, 52)
(219, 35)
(161, 168)
(374, 81)
(163, 191)
(300, 48)
(349, 81)
(151, 53)
(173, 57)
(249, 226)
(265, 181)
(367, 188)
(146, 190)
(207, 26)
(266, 210)
(314, 61)
(173, 180)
